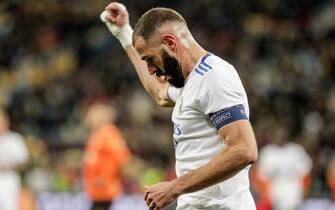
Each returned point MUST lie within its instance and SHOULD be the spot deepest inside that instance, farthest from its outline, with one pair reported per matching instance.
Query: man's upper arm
(221, 90)
(168, 95)
(222, 98)
(239, 134)
(235, 129)
(163, 97)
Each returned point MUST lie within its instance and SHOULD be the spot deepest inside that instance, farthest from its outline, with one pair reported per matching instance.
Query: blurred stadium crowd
(57, 58)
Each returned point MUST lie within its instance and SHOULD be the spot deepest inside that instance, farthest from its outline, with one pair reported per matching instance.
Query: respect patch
(228, 115)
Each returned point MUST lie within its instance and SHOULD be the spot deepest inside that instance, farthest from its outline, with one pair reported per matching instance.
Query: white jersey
(212, 97)
(13, 152)
(286, 189)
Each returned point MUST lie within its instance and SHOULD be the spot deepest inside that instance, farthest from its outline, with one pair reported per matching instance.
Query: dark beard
(172, 69)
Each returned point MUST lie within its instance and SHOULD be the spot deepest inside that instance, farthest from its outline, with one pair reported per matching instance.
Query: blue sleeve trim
(203, 60)
(228, 115)
(206, 56)
(203, 67)
(199, 72)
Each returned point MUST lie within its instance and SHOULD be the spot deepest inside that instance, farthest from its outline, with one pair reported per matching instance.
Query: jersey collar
(201, 59)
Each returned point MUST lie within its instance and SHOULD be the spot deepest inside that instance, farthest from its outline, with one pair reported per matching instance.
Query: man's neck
(190, 57)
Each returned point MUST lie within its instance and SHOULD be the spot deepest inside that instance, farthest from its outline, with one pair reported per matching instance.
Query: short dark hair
(153, 19)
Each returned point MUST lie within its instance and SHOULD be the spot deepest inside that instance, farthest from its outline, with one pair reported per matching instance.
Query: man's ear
(170, 41)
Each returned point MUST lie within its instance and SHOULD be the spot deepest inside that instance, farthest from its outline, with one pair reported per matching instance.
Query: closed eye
(150, 59)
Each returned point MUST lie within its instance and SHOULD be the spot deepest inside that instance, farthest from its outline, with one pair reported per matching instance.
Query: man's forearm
(223, 166)
(239, 151)
(156, 88)
(140, 66)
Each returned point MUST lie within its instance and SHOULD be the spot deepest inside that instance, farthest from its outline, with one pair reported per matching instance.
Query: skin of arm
(154, 86)
(240, 150)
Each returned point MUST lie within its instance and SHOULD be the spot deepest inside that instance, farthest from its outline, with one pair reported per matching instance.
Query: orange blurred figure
(106, 153)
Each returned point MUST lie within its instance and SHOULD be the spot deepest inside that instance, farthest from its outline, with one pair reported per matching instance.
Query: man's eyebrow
(144, 57)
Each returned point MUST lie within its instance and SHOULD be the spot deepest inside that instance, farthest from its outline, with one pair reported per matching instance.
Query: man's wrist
(179, 186)
(124, 35)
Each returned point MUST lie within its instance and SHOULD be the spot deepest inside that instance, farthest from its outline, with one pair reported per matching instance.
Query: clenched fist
(118, 14)
(116, 18)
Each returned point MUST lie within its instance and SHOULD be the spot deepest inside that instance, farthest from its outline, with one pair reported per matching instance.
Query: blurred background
(57, 59)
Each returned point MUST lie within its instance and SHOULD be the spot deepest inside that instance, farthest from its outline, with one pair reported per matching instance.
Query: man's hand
(116, 18)
(118, 14)
(161, 195)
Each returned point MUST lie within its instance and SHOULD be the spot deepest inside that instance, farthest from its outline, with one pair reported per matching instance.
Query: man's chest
(188, 119)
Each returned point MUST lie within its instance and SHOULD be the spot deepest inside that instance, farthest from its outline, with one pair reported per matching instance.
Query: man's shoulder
(219, 62)
(212, 74)
(12, 136)
(214, 69)
(212, 66)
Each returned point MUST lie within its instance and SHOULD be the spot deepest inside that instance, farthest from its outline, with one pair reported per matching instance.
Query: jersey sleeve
(221, 96)
(173, 93)
(17, 152)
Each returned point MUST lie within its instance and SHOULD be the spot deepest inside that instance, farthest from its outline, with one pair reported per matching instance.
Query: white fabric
(196, 139)
(284, 166)
(12, 153)
(173, 93)
(123, 34)
(240, 201)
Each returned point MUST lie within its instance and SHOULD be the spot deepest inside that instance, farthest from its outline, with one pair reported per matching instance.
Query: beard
(172, 69)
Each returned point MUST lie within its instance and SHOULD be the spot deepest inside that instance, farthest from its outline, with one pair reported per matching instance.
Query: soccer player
(214, 141)
(102, 181)
(13, 154)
